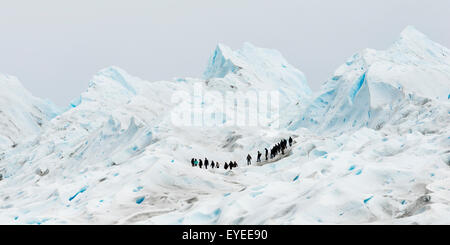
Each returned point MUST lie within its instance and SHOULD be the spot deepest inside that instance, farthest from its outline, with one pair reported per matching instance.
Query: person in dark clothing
(267, 153)
(217, 165)
(249, 160)
(206, 163)
(259, 157)
(200, 163)
(231, 165)
(235, 164)
(193, 162)
(290, 141)
(226, 166)
(212, 164)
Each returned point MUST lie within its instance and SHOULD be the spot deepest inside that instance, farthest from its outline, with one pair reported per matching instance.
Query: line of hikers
(277, 149)
(206, 164)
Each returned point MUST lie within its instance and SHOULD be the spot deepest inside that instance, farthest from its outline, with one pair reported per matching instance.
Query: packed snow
(372, 147)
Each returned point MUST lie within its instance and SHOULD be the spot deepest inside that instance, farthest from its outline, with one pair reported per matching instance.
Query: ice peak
(410, 32)
(222, 62)
(114, 74)
(225, 60)
(414, 42)
(8, 82)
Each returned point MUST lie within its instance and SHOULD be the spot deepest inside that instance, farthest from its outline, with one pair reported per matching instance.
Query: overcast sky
(55, 47)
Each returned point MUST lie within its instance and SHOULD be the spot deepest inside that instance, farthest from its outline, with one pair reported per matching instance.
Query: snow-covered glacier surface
(373, 146)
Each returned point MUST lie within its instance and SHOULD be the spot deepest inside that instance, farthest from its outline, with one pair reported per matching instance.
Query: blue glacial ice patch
(320, 153)
(139, 200)
(226, 194)
(255, 194)
(368, 199)
(352, 168)
(76, 102)
(139, 188)
(358, 172)
(79, 192)
(357, 86)
(200, 217)
(38, 221)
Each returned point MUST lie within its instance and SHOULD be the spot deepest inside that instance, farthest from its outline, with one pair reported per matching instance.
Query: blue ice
(76, 102)
(356, 87)
(79, 192)
(320, 153)
(368, 199)
(140, 200)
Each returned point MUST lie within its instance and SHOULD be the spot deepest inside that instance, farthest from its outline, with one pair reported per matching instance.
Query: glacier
(371, 147)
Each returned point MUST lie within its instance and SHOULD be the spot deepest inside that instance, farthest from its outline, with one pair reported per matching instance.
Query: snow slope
(21, 114)
(117, 157)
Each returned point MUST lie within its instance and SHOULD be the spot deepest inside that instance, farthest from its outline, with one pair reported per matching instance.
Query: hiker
(217, 165)
(206, 163)
(226, 166)
(193, 162)
(231, 165)
(249, 159)
(290, 141)
(267, 152)
(235, 164)
(212, 164)
(200, 164)
(259, 157)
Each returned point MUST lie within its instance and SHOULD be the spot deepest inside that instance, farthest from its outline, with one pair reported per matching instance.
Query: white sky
(55, 47)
